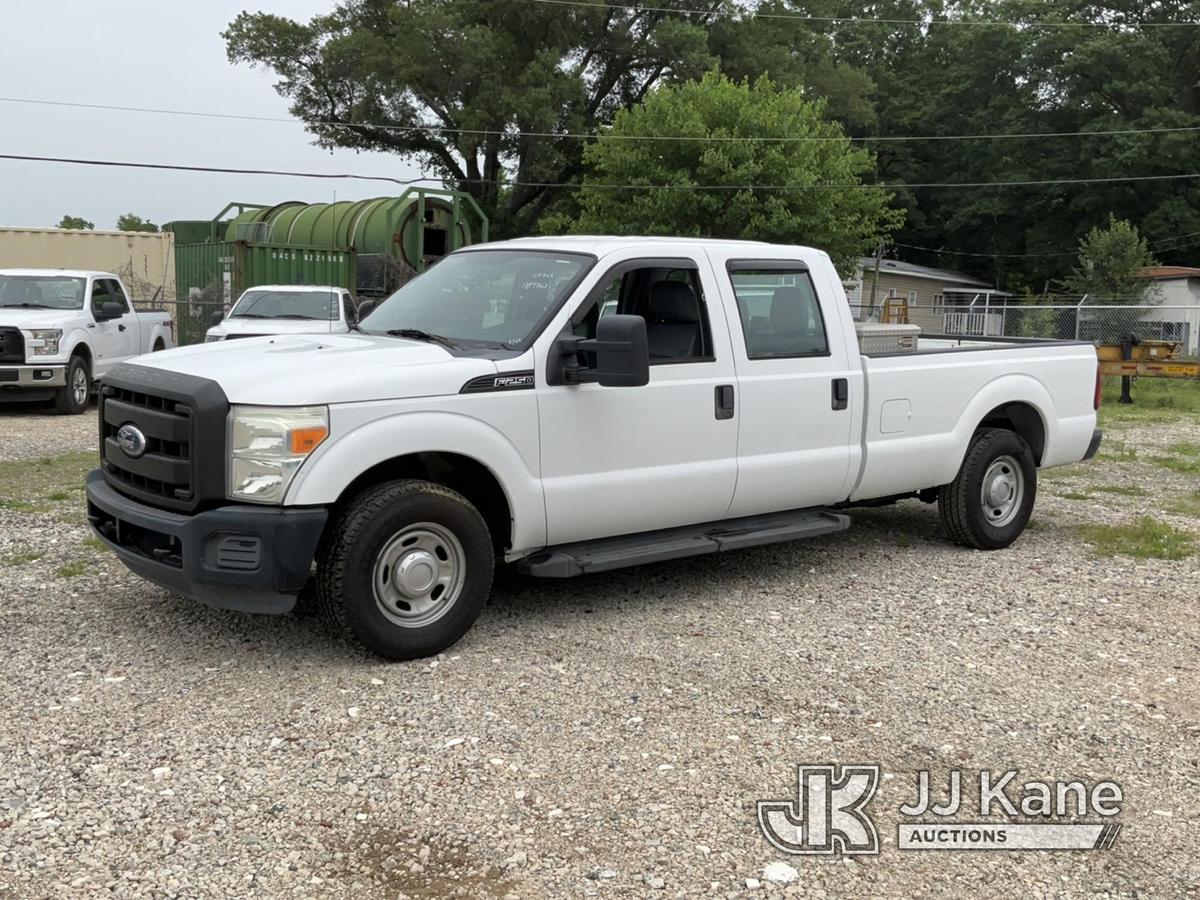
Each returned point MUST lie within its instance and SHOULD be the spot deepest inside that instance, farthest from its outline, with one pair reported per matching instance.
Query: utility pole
(875, 282)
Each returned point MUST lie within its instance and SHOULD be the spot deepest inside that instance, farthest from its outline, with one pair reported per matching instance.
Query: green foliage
(1145, 538)
(1109, 261)
(76, 223)
(737, 117)
(130, 222)
(377, 74)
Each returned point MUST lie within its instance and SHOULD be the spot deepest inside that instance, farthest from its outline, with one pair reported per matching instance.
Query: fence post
(1078, 307)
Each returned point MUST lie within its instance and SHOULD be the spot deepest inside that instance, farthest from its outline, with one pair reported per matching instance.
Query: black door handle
(725, 401)
(120, 328)
(841, 393)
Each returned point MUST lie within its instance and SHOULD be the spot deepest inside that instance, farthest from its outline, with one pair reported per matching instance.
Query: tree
(1109, 262)
(787, 190)
(76, 223)
(450, 82)
(130, 222)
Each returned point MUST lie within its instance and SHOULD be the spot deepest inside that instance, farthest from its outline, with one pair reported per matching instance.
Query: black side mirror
(366, 308)
(108, 311)
(216, 318)
(622, 354)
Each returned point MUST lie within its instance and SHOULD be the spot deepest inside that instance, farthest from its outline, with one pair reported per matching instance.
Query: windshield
(42, 291)
(495, 298)
(287, 305)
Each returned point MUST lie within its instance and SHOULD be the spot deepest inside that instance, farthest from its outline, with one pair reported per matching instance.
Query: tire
(989, 502)
(72, 398)
(437, 536)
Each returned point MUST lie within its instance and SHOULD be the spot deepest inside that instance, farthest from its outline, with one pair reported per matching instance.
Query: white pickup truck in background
(61, 330)
(286, 309)
(570, 405)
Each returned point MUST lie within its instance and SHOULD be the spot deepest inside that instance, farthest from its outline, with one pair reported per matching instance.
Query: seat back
(674, 328)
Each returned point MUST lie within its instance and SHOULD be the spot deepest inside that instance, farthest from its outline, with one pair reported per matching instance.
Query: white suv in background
(273, 309)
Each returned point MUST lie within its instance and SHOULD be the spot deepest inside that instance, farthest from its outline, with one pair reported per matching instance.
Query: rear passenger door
(129, 336)
(794, 439)
(626, 460)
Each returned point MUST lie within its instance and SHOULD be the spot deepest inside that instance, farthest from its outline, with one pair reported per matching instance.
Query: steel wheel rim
(419, 575)
(1002, 491)
(79, 385)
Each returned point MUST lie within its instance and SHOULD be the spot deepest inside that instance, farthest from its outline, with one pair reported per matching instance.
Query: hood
(298, 370)
(276, 326)
(18, 317)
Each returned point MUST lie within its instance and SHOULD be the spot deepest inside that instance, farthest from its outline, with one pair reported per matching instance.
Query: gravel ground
(607, 736)
(28, 431)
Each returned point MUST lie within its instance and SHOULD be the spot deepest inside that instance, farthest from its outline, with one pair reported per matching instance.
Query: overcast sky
(162, 54)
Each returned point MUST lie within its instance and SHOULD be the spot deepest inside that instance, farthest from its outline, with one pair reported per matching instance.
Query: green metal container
(211, 276)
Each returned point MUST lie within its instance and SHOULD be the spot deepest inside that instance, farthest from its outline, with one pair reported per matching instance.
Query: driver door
(622, 460)
(106, 340)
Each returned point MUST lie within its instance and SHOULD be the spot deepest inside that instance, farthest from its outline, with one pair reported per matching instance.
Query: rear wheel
(405, 569)
(72, 398)
(989, 502)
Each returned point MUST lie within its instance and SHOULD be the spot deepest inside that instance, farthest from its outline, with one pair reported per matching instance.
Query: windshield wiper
(248, 316)
(417, 334)
(27, 306)
(298, 316)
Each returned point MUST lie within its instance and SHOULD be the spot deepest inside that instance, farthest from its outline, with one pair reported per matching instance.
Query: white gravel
(30, 430)
(607, 736)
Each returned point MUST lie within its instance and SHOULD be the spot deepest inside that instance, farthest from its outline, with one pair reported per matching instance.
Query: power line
(602, 186)
(1157, 244)
(607, 136)
(860, 20)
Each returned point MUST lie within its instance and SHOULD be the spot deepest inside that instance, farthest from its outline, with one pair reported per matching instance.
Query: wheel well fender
(1017, 402)
(458, 451)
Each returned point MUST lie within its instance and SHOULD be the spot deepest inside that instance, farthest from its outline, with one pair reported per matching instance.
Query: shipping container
(212, 276)
(144, 260)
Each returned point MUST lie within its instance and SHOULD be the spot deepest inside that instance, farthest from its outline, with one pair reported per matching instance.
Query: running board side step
(568, 560)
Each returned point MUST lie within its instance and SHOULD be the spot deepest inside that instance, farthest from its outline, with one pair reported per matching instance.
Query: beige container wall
(144, 261)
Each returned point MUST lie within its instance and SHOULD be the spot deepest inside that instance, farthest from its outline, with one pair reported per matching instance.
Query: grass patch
(94, 543)
(1125, 490)
(1074, 495)
(1186, 506)
(1154, 399)
(1117, 451)
(73, 569)
(1144, 539)
(21, 558)
(1175, 464)
(1184, 448)
(25, 484)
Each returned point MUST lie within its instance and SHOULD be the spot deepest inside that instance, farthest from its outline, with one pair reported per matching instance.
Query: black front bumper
(241, 557)
(1094, 446)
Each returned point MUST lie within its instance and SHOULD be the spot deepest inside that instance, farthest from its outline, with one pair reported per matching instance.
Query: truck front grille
(12, 346)
(176, 456)
(164, 468)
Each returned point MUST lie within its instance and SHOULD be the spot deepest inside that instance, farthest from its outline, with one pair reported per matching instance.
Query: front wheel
(989, 502)
(72, 398)
(405, 569)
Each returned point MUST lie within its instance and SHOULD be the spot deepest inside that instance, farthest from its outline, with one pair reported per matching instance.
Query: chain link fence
(1081, 320)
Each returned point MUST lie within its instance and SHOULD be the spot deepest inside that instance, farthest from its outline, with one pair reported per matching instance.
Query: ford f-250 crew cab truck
(60, 330)
(570, 405)
(286, 309)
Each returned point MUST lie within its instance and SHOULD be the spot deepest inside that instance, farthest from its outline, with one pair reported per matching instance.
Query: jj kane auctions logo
(829, 814)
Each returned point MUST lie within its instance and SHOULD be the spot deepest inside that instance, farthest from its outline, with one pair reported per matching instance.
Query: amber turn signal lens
(302, 441)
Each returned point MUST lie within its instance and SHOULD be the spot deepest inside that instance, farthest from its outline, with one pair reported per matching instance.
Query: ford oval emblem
(132, 441)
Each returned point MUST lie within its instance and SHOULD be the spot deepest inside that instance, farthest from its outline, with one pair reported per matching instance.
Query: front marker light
(210, 337)
(45, 341)
(267, 446)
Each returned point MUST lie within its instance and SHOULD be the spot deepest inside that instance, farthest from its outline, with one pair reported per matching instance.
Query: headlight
(209, 338)
(267, 446)
(45, 341)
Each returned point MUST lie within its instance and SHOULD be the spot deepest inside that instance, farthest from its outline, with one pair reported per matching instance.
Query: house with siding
(931, 293)
(1173, 301)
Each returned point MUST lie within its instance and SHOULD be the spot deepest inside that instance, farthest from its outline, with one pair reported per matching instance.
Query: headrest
(673, 302)
(789, 309)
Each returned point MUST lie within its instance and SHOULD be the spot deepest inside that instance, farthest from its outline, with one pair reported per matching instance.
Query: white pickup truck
(569, 405)
(60, 330)
(286, 309)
